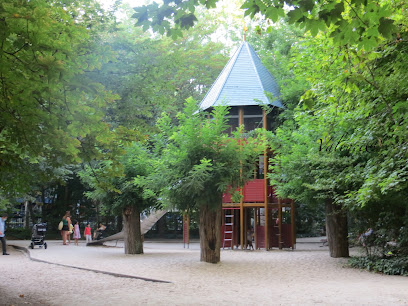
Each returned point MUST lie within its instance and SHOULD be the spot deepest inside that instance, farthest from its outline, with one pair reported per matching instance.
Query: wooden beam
(266, 187)
(186, 230)
(256, 226)
(241, 115)
(241, 210)
(293, 223)
(280, 223)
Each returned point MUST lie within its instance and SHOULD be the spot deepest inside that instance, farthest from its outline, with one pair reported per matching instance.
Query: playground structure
(242, 85)
(260, 215)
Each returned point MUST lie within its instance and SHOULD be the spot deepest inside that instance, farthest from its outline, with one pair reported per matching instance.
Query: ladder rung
(228, 232)
(229, 216)
(227, 239)
(229, 223)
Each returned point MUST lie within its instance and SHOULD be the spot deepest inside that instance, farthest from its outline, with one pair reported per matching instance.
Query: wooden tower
(243, 85)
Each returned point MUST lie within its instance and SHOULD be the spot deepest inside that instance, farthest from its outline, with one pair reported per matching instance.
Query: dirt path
(306, 276)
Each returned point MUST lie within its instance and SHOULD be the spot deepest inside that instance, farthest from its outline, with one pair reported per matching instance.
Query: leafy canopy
(199, 161)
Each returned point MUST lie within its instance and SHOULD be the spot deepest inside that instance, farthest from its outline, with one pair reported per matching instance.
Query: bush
(18, 233)
(392, 265)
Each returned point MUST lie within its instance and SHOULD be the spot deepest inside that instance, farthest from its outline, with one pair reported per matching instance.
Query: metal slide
(145, 225)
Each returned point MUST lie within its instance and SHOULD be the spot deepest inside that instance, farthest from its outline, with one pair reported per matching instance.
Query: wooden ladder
(229, 229)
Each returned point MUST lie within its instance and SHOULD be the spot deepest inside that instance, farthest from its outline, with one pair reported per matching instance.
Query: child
(77, 234)
(249, 240)
(71, 230)
(87, 233)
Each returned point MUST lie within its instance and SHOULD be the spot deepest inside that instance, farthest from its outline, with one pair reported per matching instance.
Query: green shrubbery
(18, 233)
(393, 265)
(386, 247)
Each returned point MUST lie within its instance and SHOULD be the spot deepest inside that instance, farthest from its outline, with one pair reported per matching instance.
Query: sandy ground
(306, 276)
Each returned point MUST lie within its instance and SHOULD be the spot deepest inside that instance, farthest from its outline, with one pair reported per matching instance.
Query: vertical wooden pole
(256, 226)
(245, 226)
(266, 188)
(280, 223)
(186, 230)
(293, 223)
(241, 208)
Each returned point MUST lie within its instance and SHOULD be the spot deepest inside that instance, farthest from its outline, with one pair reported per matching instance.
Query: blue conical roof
(243, 82)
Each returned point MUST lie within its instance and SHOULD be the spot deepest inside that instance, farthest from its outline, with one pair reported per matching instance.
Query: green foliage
(19, 233)
(310, 220)
(388, 220)
(198, 161)
(362, 23)
(391, 265)
(351, 116)
(128, 187)
(51, 113)
(155, 74)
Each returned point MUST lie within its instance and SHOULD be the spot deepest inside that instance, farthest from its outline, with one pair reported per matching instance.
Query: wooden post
(186, 230)
(293, 223)
(256, 226)
(241, 206)
(245, 226)
(280, 223)
(266, 187)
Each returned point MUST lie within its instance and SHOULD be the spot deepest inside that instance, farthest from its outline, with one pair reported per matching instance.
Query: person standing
(2, 235)
(87, 233)
(77, 233)
(66, 224)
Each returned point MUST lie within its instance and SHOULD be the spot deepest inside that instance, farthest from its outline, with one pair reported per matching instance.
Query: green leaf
(295, 15)
(387, 28)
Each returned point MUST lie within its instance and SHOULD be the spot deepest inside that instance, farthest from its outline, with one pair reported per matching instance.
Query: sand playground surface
(305, 276)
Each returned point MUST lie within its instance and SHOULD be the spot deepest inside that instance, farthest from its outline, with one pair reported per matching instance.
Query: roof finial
(245, 30)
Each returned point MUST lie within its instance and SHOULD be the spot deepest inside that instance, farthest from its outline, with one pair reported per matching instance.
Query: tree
(126, 194)
(354, 105)
(357, 22)
(50, 112)
(352, 111)
(198, 162)
(152, 74)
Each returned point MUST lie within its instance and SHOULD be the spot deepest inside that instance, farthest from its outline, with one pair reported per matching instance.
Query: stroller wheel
(45, 245)
(32, 245)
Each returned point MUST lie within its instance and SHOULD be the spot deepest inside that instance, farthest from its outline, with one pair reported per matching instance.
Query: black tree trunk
(337, 230)
(131, 229)
(210, 233)
(119, 223)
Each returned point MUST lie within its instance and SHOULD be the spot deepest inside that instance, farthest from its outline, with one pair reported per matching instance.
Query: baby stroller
(38, 235)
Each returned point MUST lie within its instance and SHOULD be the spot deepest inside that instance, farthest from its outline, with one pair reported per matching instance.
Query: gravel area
(305, 276)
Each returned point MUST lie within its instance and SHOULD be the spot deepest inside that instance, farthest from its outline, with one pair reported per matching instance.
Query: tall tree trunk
(131, 229)
(98, 219)
(119, 223)
(210, 233)
(30, 209)
(337, 230)
(26, 215)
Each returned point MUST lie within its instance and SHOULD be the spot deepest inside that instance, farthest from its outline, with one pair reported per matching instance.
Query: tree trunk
(131, 229)
(26, 215)
(337, 230)
(30, 209)
(119, 223)
(210, 234)
(98, 219)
